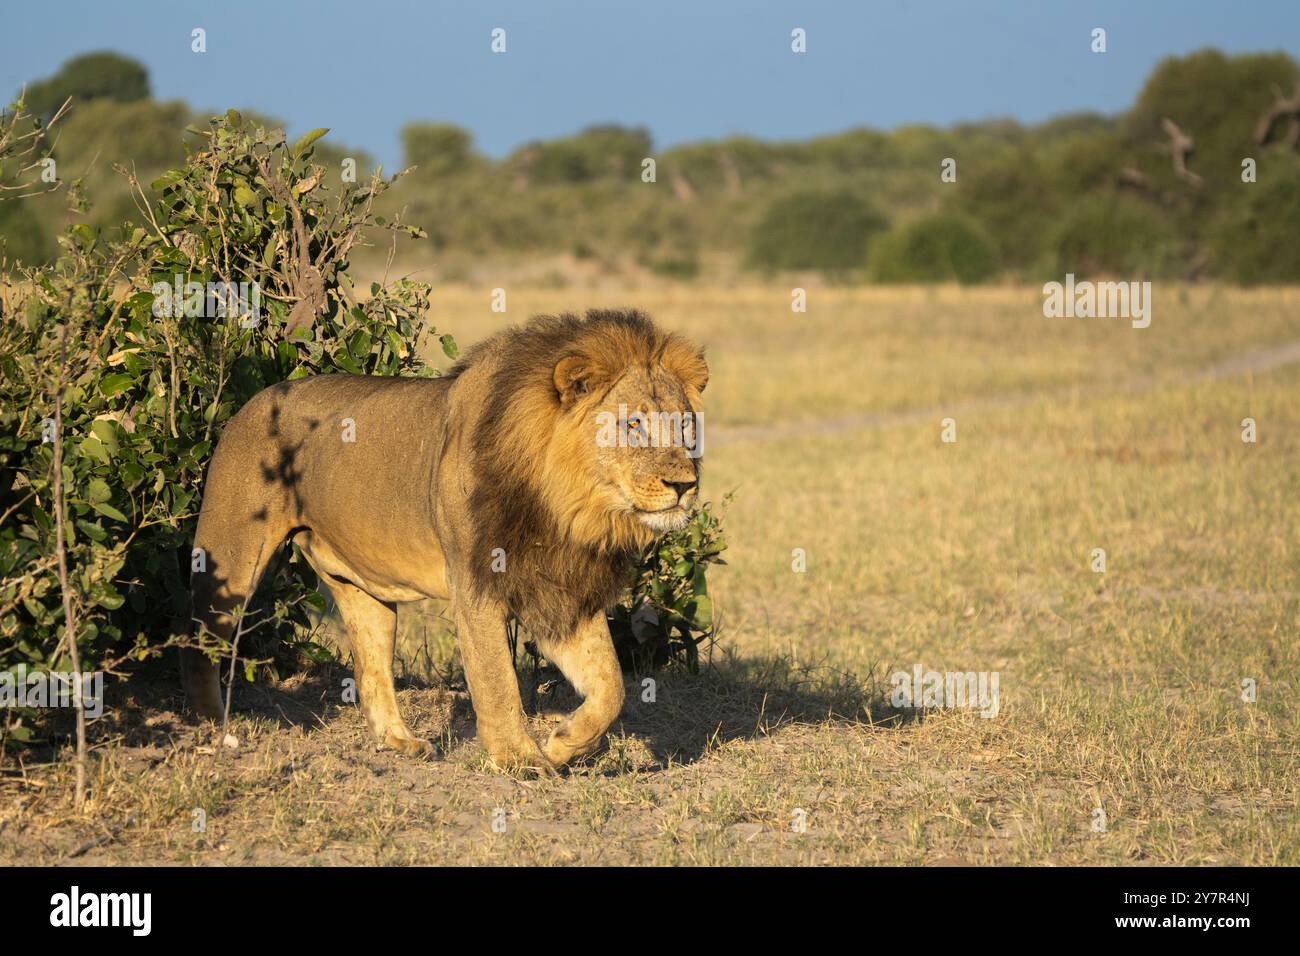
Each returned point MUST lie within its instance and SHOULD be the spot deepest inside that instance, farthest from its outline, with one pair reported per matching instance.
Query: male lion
(488, 486)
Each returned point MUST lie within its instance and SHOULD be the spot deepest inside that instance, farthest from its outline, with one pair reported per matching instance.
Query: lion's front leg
(588, 662)
(494, 689)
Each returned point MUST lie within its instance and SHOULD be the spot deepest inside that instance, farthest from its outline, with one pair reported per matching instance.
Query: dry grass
(1120, 690)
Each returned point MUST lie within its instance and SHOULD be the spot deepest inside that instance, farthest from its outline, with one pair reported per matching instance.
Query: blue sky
(686, 69)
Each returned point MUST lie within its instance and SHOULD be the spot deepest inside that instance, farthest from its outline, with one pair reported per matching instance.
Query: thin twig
(234, 645)
(69, 619)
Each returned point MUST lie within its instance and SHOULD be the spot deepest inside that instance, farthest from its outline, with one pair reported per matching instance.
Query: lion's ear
(574, 377)
(688, 365)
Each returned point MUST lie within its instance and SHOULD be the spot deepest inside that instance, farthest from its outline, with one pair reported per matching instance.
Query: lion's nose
(683, 488)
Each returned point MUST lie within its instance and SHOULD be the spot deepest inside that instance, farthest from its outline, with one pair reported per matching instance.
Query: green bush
(1009, 192)
(90, 76)
(1112, 234)
(598, 152)
(667, 612)
(1217, 100)
(815, 229)
(437, 149)
(146, 392)
(22, 237)
(144, 133)
(940, 248)
(1254, 239)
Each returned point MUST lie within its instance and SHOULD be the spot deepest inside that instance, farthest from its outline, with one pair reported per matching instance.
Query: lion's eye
(634, 423)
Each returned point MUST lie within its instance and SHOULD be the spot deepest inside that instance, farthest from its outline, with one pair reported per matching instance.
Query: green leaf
(169, 178)
(303, 144)
(85, 233)
(92, 531)
(109, 511)
(449, 347)
(359, 345)
(115, 384)
(344, 361)
(110, 599)
(703, 612)
(316, 652)
(92, 447)
(103, 429)
(395, 342)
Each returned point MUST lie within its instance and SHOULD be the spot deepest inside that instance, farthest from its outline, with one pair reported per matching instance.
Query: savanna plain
(1147, 713)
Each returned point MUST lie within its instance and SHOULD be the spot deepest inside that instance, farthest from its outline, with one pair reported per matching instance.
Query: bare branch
(60, 550)
(22, 139)
(1182, 146)
(1282, 107)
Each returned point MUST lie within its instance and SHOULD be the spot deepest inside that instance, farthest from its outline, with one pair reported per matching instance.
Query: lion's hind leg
(588, 661)
(229, 566)
(372, 632)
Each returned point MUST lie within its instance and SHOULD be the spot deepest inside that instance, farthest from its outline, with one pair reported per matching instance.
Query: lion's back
(327, 434)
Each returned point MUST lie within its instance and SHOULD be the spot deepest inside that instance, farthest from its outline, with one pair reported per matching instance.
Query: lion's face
(643, 438)
(647, 441)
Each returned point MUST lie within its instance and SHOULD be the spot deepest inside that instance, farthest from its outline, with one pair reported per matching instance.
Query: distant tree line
(1199, 179)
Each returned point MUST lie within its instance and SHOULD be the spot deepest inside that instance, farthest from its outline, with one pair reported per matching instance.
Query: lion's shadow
(679, 718)
(682, 718)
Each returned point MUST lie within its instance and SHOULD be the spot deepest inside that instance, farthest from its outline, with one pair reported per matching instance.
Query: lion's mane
(567, 556)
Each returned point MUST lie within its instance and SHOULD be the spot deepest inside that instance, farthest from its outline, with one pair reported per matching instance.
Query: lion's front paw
(559, 747)
(565, 746)
(522, 757)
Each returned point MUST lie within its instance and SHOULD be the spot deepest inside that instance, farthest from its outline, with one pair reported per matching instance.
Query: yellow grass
(1120, 690)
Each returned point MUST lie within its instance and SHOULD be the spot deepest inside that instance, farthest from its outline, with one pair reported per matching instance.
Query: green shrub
(598, 152)
(146, 393)
(1216, 99)
(667, 612)
(1017, 182)
(1254, 239)
(437, 149)
(145, 134)
(90, 76)
(815, 229)
(944, 247)
(683, 266)
(1009, 192)
(1116, 234)
(22, 237)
